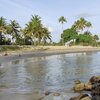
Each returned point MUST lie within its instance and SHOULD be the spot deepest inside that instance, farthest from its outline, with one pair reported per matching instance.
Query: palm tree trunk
(62, 32)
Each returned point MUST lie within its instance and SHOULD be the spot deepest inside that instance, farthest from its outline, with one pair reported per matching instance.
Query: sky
(50, 11)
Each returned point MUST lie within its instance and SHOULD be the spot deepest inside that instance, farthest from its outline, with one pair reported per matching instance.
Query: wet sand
(47, 51)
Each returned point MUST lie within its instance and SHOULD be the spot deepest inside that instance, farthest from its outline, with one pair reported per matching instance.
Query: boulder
(88, 86)
(81, 97)
(86, 98)
(79, 87)
(95, 79)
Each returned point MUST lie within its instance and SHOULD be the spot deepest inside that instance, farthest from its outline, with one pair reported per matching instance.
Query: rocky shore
(93, 86)
(81, 91)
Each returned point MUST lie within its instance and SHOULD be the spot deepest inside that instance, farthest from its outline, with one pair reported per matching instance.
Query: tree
(35, 29)
(69, 34)
(46, 35)
(84, 39)
(14, 30)
(88, 33)
(62, 20)
(80, 24)
(2, 28)
(96, 37)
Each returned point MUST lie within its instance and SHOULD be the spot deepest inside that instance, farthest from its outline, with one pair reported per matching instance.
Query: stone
(77, 81)
(81, 97)
(79, 87)
(88, 86)
(56, 94)
(95, 79)
(47, 93)
(86, 98)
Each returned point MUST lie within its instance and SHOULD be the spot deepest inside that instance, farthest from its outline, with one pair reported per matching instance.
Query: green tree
(81, 24)
(2, 28)
(62, 20)
(96, 37)
(88, 33)
(46, 35)
(69, 34)
(35, 30)
(14, 30)
(84, 39)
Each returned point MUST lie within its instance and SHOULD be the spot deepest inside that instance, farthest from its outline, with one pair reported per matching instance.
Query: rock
(96, 97)
(86, 98)
(5, 54)
(56, 94)
(95, 79)
(81, 97)
(79, 87)
(77, 81)
(96, 89)
(88, 86)
(47, 93)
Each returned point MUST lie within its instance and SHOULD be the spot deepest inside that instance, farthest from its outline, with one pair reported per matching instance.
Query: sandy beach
(45, 51)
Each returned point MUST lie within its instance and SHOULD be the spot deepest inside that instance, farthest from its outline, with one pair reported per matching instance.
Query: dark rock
(95, 79)
(47, 93)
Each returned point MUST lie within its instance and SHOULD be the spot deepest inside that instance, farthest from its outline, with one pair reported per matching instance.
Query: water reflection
(52, 72)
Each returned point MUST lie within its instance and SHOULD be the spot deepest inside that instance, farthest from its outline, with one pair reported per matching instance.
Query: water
(27, 79)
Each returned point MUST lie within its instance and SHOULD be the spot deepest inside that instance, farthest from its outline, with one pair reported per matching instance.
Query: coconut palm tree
(33, 28)
(46, 35)
(2, 28)
(81, 24)
(14, 29)
(62, 20)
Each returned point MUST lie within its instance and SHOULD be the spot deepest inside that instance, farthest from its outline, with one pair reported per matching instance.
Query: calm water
(26, 79)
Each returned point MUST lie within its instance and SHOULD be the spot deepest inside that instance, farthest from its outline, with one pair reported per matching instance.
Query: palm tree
(80, 24)
(2, 28)
(14, 29)
(62, 20)
(46, 35)
(33, 28)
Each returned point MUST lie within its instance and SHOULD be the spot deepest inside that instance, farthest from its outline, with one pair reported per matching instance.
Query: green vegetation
(77, 33)
(35, 33)
(62, 20)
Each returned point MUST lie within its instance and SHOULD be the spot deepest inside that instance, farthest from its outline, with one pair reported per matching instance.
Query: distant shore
(45, 51)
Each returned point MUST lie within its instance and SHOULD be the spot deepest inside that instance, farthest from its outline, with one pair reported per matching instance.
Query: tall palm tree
(14, 29)
(33, 28)
(2, 28)
(62, 20)
(81, 24)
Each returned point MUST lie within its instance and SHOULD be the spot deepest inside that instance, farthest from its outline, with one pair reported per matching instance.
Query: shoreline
(46, 52)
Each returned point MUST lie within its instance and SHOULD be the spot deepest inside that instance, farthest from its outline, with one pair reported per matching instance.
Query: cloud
(87, 15)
